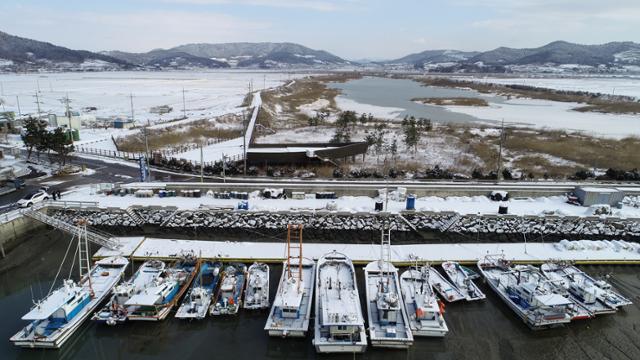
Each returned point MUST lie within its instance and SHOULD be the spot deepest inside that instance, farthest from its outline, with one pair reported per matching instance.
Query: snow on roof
(144, 299)
(599, 189)
(552, 300)
(52, 303)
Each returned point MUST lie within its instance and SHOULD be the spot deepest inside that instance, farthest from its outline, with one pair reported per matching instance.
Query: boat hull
(350, 348)
(277, 327)
(57, 341)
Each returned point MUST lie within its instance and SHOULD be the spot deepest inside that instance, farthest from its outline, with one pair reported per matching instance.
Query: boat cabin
(388, 308)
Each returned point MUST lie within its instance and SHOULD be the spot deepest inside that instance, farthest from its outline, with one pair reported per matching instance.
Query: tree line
(37, 137)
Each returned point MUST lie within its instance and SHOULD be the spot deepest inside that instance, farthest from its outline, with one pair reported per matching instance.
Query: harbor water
(479, 330)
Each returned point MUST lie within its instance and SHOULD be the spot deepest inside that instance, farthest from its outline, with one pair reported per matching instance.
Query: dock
(592, 252)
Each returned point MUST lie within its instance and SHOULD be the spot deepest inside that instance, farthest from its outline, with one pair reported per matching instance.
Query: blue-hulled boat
(196, 303)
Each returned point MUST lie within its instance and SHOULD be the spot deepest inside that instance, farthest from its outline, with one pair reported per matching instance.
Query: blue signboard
(144, 170)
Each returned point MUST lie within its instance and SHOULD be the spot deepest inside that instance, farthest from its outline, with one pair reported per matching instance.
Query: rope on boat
(55, 279)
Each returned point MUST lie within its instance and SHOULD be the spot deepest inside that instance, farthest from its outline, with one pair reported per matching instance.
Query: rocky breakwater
(327, 225)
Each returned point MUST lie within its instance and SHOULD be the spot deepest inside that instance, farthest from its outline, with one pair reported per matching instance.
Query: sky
(352, 29)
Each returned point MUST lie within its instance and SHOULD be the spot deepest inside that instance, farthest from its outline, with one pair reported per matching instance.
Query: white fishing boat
(339, 325)
(424, 309)
(115, 310)
(388, 319)
(196, 303)
(577, 311)
(256, 294)
(228, 299)
(291, 309)
(596, 296)
(447, 290)
(537, 306)
(156, 301)
(462, 278)
(55, 319)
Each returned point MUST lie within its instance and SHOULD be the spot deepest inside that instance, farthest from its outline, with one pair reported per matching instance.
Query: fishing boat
(196, 303)
(291, 309)
(388, 320)
(256, 294)
(54, 319)
(595, 295)
(115, 310)
(447, 290)
(228, 299)
(538, 307)
(339, 325)
(156, 301)
(577, 311)
(462, 278)
(423, 307)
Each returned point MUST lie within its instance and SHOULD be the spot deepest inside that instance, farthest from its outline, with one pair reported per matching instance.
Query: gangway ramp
(97, 237)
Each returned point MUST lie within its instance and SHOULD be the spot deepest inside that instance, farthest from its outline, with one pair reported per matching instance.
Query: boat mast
(385, 253)
(83, 254)
(293, 232)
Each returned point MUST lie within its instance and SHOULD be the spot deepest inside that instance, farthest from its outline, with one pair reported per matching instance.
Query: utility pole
(500, 152)
(184, 106)
(132, 114)
(18, 102)
(244, 141)
(224, 165)
(146, 144)
(386, 193)
(264, 83)
(38, 104)
(201, 162)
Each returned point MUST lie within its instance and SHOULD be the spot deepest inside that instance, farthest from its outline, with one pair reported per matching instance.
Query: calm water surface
(398, 93)
(481, 330)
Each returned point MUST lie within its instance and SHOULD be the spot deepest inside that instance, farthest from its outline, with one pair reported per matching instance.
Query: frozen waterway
(390, 98)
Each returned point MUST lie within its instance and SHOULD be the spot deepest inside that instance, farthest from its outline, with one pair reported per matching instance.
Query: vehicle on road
(33, 198)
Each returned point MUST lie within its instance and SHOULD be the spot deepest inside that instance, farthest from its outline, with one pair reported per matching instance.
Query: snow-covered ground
(461, 204)
(207, 93)
(554, 115)
(629, 86)
(585, 250)
(233, 148)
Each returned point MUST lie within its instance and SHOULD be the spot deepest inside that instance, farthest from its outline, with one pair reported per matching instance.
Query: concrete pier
(581, 252)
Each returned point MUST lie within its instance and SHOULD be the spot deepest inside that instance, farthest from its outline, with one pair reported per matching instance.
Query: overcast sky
(349, 28)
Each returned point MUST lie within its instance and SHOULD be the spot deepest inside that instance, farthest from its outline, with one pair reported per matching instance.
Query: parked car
(33, 198)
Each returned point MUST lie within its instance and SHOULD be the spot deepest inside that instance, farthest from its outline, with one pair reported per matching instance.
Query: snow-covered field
(463, 205)
(207, 93)
(629, 86)
(554, 115)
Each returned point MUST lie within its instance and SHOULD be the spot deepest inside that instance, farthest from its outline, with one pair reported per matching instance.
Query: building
(304, 153)
(74, 121)
(588, 196)
(123, 123)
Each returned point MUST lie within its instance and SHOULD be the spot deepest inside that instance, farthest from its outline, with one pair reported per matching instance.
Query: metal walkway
(96, 237)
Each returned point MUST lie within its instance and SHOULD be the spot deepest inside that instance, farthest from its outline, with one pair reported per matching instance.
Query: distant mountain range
(557, 53)
(21, 54)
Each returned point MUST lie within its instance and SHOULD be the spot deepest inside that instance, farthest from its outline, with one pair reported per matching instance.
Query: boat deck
(380, 334)
(297, 327)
